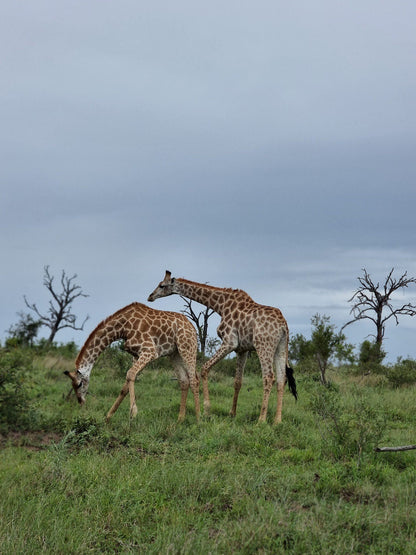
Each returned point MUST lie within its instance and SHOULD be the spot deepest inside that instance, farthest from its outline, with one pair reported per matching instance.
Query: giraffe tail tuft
(291, 382)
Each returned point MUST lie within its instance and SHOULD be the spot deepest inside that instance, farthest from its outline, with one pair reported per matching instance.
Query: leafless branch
(370, 301)
(200, 320)
(59, 314)
(401, 448)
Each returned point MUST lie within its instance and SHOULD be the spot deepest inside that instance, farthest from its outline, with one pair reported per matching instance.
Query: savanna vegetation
(70, 483)
(313, 484)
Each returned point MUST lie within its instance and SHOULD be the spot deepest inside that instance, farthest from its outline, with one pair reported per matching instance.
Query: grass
(152, 485)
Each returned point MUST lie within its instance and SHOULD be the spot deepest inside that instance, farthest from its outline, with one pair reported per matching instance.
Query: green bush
(66, 350)
(402, 373)
(15, 366)
(346, 430)
(116, 359)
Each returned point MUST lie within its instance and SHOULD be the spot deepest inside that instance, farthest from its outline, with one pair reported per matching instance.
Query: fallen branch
(402, 448)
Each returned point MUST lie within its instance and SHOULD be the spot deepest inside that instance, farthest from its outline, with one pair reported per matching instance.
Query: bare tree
(200, 320)
(372, 302)
(59, 313)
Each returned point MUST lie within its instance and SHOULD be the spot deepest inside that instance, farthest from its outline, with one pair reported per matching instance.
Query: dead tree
(372, 302)
(400, 448)
(59, 314)
(200, 320)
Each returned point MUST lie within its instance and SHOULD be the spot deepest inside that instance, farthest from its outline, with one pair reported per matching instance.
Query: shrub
(346, 430)
(116, 359)
(82, 430)
(15, 366)
(66, 350)
(402, 373)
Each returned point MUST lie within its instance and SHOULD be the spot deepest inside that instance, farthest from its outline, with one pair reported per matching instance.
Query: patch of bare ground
(33, 441)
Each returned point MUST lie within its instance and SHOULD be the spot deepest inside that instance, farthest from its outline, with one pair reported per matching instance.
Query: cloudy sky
(265, 145)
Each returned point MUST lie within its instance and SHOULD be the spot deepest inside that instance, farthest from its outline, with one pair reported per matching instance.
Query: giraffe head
(80, 384)
(165, 288)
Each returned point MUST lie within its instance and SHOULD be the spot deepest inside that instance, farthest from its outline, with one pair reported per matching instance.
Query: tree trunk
(322, 368)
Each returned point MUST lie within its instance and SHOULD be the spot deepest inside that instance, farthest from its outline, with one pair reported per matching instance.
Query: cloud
(267, 147)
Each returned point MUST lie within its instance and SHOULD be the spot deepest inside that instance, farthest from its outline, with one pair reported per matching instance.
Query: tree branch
(59, 314)
(401, 448)
(368, 299)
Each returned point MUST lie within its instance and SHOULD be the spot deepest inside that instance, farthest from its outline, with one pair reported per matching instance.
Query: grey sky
(268, 146)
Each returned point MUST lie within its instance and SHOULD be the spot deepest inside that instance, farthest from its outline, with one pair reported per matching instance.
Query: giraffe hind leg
(280, 359)
(183, 379)
(186, 359)
(266, 362)
(238, 380)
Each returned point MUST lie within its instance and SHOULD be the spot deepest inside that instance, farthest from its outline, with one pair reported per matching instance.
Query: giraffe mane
(213, 288)
(103, 324)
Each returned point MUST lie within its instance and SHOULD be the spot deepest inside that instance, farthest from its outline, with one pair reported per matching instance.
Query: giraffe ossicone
(148, 334)
(245, 326)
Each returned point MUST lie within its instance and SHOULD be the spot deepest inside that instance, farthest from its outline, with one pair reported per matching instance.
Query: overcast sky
(267, 145)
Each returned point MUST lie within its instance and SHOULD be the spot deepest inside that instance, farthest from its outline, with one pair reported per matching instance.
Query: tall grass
(152, 485)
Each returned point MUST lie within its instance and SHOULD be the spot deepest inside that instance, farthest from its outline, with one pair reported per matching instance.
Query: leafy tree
(325, 344)
(59, 314)
(25, 331)
(374, 303)
(300, 348)
(370, 354)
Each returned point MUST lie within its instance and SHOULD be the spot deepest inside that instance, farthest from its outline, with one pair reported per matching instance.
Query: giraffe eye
(161, 285)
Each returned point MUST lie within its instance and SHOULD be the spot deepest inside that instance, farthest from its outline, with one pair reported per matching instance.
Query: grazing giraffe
(148, 335)
(245, 326)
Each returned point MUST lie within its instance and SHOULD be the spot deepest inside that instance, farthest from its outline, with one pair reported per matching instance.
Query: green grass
(152, 485)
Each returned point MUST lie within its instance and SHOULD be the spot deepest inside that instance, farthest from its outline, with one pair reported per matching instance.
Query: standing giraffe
(245, 326)
(148, 334)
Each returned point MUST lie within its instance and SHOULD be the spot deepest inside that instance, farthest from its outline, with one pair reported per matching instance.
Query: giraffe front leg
(117, 403)
(128, 387)
(133, 406)
(145, 357)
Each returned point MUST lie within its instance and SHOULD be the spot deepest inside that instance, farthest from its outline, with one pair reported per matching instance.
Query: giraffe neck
(103, 335)
(212, 297)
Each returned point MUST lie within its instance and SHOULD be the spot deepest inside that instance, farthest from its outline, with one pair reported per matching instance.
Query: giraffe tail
(291, 382)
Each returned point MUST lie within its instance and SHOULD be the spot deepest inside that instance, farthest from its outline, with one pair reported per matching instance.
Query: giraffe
(245, 326)
(148, 334)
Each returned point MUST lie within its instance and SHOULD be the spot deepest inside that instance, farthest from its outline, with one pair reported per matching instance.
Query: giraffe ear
(167, 275)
